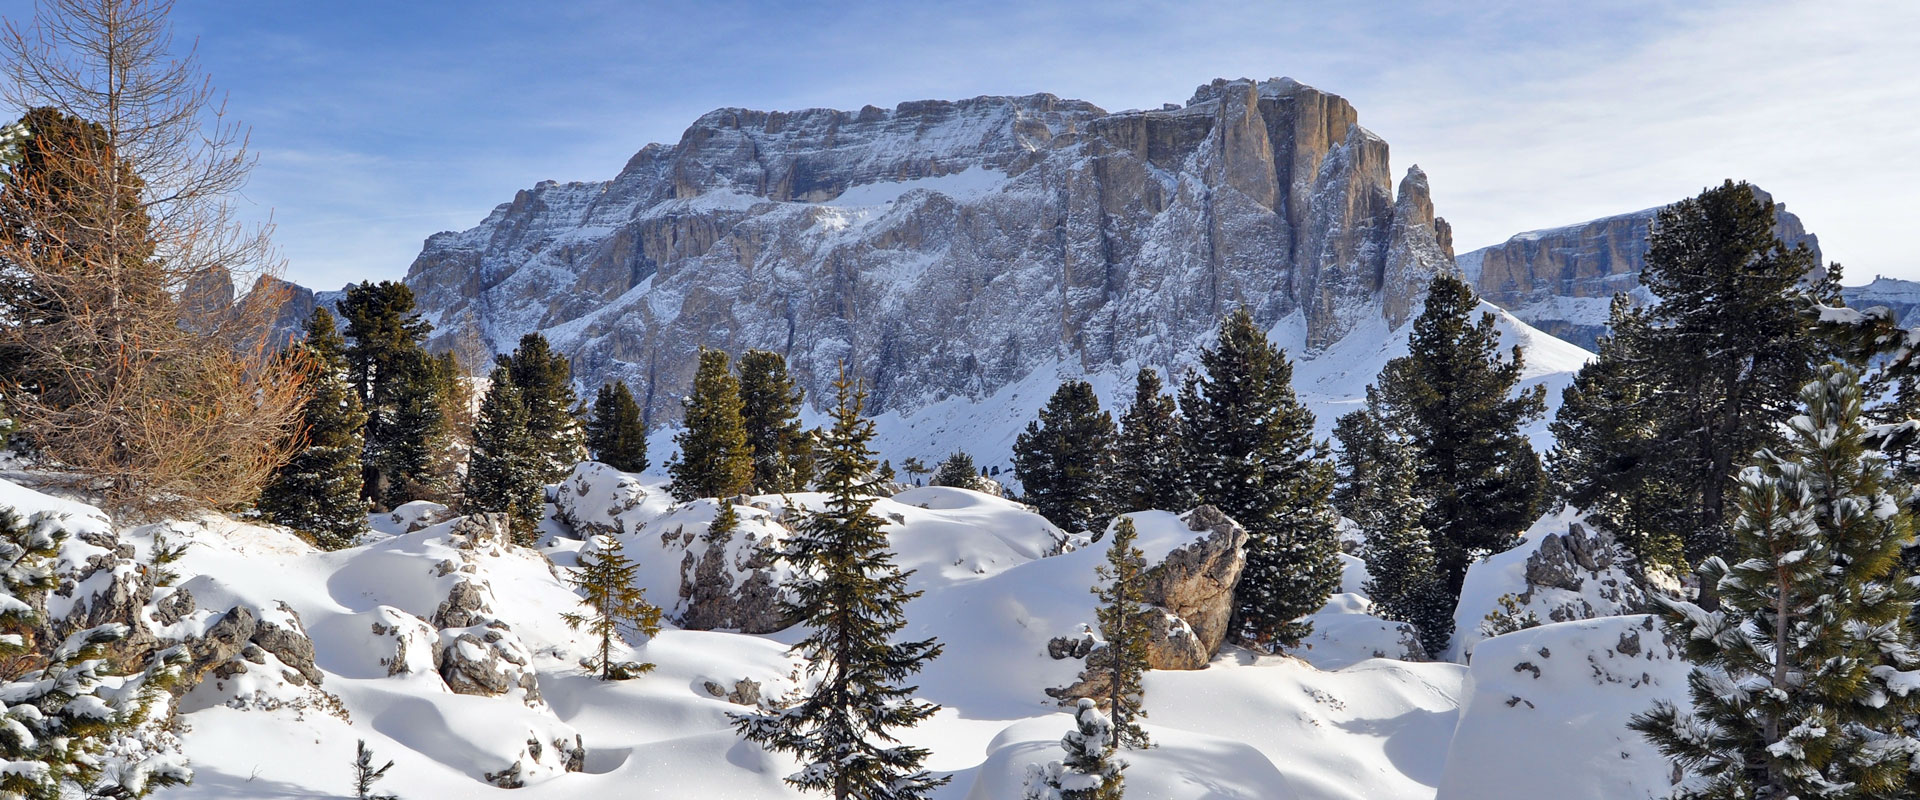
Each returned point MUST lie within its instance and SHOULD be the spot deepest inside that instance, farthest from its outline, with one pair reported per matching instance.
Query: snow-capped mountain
(1561, 280)
(960, 257)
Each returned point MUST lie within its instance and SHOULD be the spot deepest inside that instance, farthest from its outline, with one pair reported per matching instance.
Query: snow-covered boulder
(410, 517)
(402, 643)
(1546, 709)
(488, 660)
(1565, 569)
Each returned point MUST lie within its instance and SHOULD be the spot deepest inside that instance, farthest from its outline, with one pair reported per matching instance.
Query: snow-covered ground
(1333, 722)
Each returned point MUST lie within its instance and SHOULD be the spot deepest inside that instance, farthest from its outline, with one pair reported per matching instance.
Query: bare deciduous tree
(129, 362)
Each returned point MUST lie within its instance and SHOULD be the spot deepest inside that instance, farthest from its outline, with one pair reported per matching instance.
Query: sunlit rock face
(948, 249)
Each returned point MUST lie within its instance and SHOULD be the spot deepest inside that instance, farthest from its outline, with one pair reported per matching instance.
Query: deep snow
(1332, 722)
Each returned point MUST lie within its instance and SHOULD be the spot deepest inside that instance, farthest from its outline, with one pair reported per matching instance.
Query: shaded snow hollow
(1333, 723)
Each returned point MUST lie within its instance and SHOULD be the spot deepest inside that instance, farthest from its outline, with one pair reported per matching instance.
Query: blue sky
(379, 123)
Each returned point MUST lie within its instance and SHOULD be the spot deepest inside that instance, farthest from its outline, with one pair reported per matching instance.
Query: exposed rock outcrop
(1188, 596)
(728, 580)
(947, 249)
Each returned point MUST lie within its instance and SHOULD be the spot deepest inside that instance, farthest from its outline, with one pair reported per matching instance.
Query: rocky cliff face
(1560, 280)
(949, 249)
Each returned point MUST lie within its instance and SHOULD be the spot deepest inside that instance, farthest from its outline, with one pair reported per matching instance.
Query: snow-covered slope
(1248, 727)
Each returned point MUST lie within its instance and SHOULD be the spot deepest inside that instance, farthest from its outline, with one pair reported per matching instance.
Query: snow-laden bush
(1090, 771)
(65, 718)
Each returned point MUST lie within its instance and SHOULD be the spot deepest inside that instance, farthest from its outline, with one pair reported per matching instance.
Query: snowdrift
(443, 648)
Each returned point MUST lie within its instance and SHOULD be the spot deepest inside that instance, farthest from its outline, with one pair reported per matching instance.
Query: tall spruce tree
(1248, 446)
(770, 409)
(1146, 472)
(1379, 491)
(503, 474)
(394, 377)
(606, 578)
(852, 599)
(1455, 398)
(1064, 458)
(617, 436)
(1123, 624)
(1803, 676)
(1719, 360)
(715, 459)
(545, 381)
(1090, 771)
(318, 490)
(1610, 454)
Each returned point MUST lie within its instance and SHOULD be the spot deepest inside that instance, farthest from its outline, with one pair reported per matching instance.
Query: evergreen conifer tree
(616, 435)
(365, 774)
(545, 381)
(915, 468)
(1090, 771)
(1716, 364)
(1454, 397)
(1247, 444)
(503, 474)
(1404, 576)
(715, 459)
(1147, 472)
(770, 410)
(852, 599)
(318, 491)
(1123, 624)
(1610, 454)
(957, 471)
(394, 377)
(606, 577)
(1064, 459)
(1803, 676)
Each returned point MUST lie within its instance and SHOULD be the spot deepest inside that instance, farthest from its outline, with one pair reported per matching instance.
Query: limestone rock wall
(948, 249)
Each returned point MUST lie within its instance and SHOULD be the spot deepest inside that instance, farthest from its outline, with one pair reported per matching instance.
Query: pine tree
(1404, 576)
(1714, 368)
(1610, 454)
(714, 459)
(318, 491)
(1064, 459)
(606, 577)
(1123, 624)
(770, 410)
(503, 474)
(1803, 676)
(1455, 398)
(853, 599)
(1090, 771)
(60, 717)
(1147, 472)
(365, 774)
(1248, 449)
(394, 377)
(545, 381)
(915, 468)
(616, 436)
(1363, 440)
(957, 471)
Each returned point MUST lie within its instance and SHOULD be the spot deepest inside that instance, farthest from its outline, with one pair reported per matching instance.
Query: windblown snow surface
(1540, 713)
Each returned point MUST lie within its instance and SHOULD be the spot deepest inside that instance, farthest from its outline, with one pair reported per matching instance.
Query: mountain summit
(951, 249)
